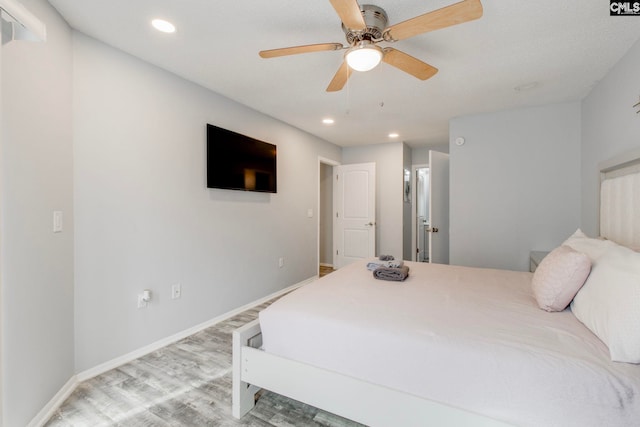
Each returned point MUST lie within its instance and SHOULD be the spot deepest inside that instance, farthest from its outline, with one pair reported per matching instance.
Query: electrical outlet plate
(176, 291)
(141, 302)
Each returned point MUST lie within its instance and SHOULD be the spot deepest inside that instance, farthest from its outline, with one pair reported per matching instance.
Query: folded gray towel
(386, 257)
(391, 274)
(384, 264)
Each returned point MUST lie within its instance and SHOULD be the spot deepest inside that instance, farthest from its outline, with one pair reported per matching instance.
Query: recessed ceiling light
(164, 26)
(328, 121)
(394, 135)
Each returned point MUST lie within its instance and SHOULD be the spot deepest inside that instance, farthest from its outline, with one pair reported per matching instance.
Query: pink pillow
(559, 277)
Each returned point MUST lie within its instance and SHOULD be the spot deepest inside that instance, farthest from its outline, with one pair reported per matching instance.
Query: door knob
(370, 224)
(432, 229)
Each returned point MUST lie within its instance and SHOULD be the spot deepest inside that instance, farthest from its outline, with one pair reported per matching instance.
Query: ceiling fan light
(364, 56)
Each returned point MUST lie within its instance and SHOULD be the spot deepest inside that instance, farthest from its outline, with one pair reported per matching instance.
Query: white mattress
(472, 338)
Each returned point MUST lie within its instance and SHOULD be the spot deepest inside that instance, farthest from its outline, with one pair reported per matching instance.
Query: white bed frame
(349, 397)
(355, 399)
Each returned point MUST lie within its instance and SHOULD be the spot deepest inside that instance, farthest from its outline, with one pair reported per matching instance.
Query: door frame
(332, 163)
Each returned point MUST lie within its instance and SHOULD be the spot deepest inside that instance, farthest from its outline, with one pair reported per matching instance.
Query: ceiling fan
(365, 26)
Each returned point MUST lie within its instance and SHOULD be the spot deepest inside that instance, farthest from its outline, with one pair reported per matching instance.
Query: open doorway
(325, 217)
(430, 212)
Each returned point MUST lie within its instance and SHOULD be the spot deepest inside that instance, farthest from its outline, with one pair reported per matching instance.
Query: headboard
(620, 199)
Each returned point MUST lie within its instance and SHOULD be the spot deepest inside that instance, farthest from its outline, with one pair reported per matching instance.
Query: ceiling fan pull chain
(348, 109)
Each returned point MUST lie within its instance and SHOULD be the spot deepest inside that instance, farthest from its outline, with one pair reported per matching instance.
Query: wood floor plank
(185, 384)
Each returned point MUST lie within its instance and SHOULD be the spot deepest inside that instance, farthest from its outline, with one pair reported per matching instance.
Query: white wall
(389, 181)
(1, 246)
(515, 184)
(36, 265)
(420, 156)
(610, 127)
(145, 219)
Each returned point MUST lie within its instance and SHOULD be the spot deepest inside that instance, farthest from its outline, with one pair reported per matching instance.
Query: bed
(458, 346)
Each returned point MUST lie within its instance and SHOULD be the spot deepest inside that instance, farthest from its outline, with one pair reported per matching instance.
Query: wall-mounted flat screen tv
(238, 162)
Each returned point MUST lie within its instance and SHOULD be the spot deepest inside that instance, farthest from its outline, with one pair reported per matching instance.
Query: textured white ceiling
(566, 46)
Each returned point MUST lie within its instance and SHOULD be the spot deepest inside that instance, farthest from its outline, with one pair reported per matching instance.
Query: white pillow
(594, 248)
(559, 277)
(609, 302)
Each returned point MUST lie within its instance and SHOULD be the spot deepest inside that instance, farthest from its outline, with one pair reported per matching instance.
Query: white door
(354, 202)
(438, 207)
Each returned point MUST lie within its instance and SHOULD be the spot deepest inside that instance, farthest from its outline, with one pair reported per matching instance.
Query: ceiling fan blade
(408, 64)
(340, 79)
(272, 53)
(464, 11)
(349, 13)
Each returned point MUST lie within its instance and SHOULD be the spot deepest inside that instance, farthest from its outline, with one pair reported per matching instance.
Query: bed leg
(243, 394)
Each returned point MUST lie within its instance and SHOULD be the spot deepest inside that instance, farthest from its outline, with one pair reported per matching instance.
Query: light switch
(57, 221)
(309, 213)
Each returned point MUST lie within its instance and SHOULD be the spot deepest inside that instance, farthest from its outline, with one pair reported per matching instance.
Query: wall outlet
(141, 301)
(176, 291)
(281, 262)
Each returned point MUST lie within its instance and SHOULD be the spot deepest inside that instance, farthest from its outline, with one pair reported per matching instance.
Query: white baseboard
(53, 405)
(107, 366)
(46, 412)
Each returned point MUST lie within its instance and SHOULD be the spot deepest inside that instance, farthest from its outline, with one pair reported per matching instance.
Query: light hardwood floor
(323, 270)
(187, 383)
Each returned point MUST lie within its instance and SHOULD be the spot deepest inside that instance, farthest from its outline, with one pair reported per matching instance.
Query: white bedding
(472, 338)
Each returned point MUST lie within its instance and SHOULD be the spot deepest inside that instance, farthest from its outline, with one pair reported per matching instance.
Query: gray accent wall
(118, 146)
(36, 265)
(610, 127)
(145, 219)
(515, 184)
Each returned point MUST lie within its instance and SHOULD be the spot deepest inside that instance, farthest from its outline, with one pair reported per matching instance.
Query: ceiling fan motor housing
(376, 20)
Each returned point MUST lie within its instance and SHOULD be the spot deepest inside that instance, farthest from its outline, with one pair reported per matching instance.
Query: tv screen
(238, 162)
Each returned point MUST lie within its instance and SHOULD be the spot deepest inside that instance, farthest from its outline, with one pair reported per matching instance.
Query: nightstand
(534, 259)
